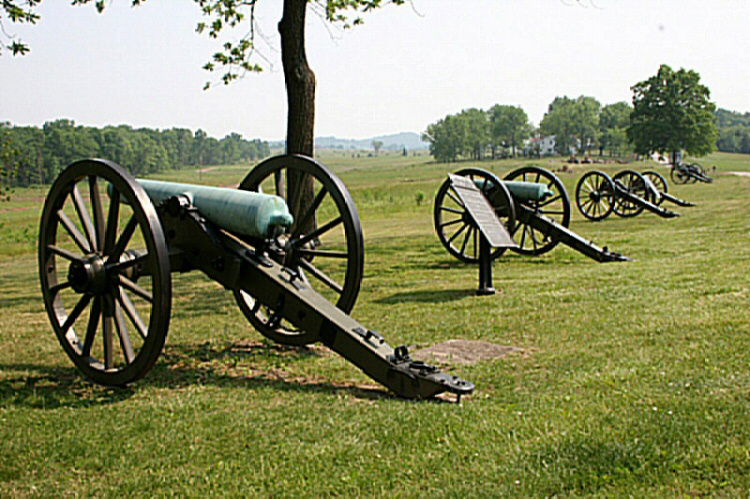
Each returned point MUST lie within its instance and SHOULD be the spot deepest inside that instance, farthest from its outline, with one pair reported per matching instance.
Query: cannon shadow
(236, 365)
(54, 387)
(427, 296)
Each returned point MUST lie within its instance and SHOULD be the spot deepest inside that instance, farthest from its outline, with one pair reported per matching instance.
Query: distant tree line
(579, 125)
(32, 155)
(734, 131)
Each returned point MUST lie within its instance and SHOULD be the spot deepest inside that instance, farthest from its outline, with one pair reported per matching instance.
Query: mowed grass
(634, 378)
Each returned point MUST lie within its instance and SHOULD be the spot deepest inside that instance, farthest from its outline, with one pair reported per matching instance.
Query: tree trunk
(300, 92)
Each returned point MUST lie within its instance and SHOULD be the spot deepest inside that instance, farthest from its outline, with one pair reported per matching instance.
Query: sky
(404, 68)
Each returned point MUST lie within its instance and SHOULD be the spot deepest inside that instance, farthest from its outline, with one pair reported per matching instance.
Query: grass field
(633, 378)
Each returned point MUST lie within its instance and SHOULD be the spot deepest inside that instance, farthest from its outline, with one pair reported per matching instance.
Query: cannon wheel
(331, 259)
(694, 169)
(453, 223)
(679, 175)
(104, 271)
(634, 183)
(595, 195)
(530, 241)
(660, 182)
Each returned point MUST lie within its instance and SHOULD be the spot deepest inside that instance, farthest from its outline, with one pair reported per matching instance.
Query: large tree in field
(573, 122)
(672, 112)
(508, 125)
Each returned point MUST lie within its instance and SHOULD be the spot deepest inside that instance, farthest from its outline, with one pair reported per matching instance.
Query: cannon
(530, 202)
(658, 189)
(627, 194)
(689, 173)
(109, 245)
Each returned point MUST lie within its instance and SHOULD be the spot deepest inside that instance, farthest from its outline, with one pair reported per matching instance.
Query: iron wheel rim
(341, 288)
(110, 292)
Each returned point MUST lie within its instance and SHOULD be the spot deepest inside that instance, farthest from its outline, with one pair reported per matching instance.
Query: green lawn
(633, 380)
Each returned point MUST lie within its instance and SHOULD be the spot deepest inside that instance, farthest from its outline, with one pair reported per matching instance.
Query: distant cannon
(657, 190)
(105, 265)
(627, 194)
(689, 173)
(532, 206)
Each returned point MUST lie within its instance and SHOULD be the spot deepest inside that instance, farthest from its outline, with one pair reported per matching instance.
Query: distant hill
(396, 142)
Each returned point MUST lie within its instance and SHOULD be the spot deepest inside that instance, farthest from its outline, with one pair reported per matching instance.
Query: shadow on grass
(54, 387)
(252, 365)
(427, 296)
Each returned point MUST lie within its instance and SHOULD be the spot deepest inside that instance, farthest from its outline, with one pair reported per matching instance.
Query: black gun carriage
(627, 194)
(109, 245)
(532, 204)
(689, 173)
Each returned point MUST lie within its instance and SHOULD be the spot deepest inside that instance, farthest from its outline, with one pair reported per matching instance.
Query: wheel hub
(88, 275)
(595, 196)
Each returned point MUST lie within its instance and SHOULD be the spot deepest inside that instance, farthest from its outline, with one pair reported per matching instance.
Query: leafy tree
(672, 112)
(447, 138)
(573, 122)
(376, 145)
(476, 132)
(509, 127)
(614, 120)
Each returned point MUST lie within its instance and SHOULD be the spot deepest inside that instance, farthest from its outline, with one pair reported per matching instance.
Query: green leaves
(672, 112)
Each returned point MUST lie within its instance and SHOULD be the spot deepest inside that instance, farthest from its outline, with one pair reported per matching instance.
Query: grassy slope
(634, 377)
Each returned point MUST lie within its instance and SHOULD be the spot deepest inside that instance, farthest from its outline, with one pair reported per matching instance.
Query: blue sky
(406, 67)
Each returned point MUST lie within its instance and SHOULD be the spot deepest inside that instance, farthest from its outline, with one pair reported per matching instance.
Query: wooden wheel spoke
(534, 240)
(120, 266)
(59, 287)
(73, 231)
(550, 201)
(523, 236)
(93, 325)
(457, 233)
(319, 231)
(466, 240)
(455, 198)
(84, 216)
(134, 288)
(107, 337)
(321, 276)
(324, 254)
(304, 219)
(452, 210)
(112, 220)
(452, 222)
(68, 255)
(132, 313)
(96, 204)
(75, 313)
(122, 332)
(123, 240)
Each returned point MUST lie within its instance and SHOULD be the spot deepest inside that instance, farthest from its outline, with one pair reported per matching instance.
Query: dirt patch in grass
(464, 352)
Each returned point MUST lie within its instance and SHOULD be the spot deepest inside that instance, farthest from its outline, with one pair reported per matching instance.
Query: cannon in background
(105, 265)
(532, 204)
(689, 173)
(627, 194)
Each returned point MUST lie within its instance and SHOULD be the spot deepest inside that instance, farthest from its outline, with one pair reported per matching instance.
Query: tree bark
(300, 92)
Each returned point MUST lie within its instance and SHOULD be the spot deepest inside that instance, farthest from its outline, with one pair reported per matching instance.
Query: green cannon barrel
(248, 213)
(524, 191)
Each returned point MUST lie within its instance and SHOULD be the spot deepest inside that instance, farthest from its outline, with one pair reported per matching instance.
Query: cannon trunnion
(105, 264)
